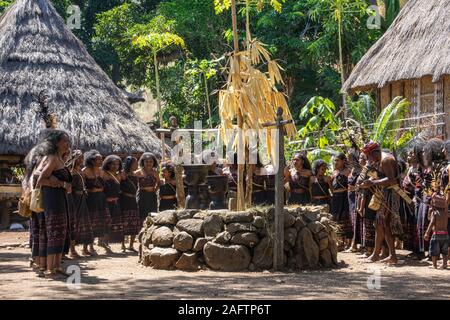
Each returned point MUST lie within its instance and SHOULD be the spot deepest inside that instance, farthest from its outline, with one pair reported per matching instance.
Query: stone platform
(235, 241)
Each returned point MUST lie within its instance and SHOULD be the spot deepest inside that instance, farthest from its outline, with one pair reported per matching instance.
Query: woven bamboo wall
(447, 104)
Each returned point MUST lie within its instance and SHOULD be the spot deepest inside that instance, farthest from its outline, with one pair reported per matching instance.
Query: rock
(145, 259)
(263, 254)
(249, 239)
(212, 225)
(163, 258)
(251, 267)
(183, 241)
(310, 216)
(226, 257)
(162, 237)
(299, 223)
(326, 259)
(241, 216)
(200, 215)
(223, 238)
(333, 252)
(259, 222)
(315, 227)
(186, 214)
(148, 221)
(146, 237)
(168, 217)
(240, 227)
(188, 262)
(307, 249)
(323, 243)
(289, 219)
(192, 226)
(199, 244)
(290, 236)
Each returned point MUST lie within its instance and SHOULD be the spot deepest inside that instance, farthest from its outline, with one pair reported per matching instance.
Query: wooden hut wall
(385, 96)
(446, 95)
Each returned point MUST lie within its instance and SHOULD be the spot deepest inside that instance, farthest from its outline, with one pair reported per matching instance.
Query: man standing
(386, 202)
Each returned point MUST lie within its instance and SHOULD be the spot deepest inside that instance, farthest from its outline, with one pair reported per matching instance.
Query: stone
(248, 239)
(183, 241)
(259, 222)
(162, 237)
(263, 254)
(223, 237)
(188, 262)
(192, 226)
(241, 216)
(240, 227)
(325, 258)
(299, 223)
(323, 243)
(333, 252)
(226, 257)
(200, 215)
(148, 221)
(290, 236)
(289, 220)
(145, 259)
(168, 217)
(310, 216)
(307, 249)
(146, 235)
(186, 214)
(212, 225)
(199, 244)
(163, 258)
(315, 227)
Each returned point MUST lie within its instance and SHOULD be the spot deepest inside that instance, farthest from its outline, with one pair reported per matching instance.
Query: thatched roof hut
(412, 59)
(38, 52)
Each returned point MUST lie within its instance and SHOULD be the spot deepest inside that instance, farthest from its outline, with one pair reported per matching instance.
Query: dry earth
(119, 276)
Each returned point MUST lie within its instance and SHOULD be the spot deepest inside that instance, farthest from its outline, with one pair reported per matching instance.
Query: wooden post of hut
(278, 252)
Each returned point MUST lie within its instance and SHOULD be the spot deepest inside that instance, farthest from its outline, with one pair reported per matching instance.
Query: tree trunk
(158, 104)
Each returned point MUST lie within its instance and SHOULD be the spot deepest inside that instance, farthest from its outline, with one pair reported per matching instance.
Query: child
(439, 240)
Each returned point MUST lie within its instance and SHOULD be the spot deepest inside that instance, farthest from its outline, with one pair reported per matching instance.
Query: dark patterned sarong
(389, 212)
(422, 222)
(56, 214)
(340, 211)
(34, 234)
(98, 213)
(408, 225)
(116, 230)
(299, 198)
(130, 216)
(356, 220)
(83, 229)
(147, 202)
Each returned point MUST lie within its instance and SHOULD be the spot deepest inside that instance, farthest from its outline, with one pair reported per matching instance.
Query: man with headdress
(385, 200)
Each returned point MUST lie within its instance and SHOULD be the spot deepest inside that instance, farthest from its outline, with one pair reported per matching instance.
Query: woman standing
(299, 180)
(320, 183)
(148, 182)
(112, 167)
(55, 198)
(353, 200)
(128, 203)
(339, 200)
(258, 188)
(168, 190)
(83, 229)
(96, 200)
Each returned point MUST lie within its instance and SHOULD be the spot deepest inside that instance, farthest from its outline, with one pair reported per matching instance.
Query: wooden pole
(158, 105)
(278, 254)
(240, 119)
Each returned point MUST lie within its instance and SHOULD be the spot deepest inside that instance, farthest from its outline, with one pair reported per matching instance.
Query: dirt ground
(119, 276)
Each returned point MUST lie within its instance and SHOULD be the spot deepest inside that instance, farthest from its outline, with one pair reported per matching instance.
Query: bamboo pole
(207, 100)
(158, 105)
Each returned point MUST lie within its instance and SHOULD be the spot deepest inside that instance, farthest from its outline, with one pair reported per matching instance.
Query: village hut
(412, 59)
(38, 53)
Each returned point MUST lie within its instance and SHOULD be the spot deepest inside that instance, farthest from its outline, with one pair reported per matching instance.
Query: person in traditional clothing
(388, 225)
(298, 178)
(358, 162)
(270, 184)
(112, 167)
(128, 202)
(414, 191)
(168, 189)
(406, 212)
(96, 199)
(38, 234)
(83, 233)
(55, 199)
(339, 200)
(445, 181)
(320, 183)
(231, 171)
(258, 184)
(148, 183)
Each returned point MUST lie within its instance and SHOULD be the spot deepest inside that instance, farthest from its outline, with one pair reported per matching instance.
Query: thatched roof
(38, 52)
(417, 44)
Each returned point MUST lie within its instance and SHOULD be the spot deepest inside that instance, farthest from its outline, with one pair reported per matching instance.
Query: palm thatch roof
(417, 44)
(38, 52)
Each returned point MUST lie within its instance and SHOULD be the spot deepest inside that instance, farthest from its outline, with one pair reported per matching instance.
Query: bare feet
(131, 249)
(390, 260)
(372, 258)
